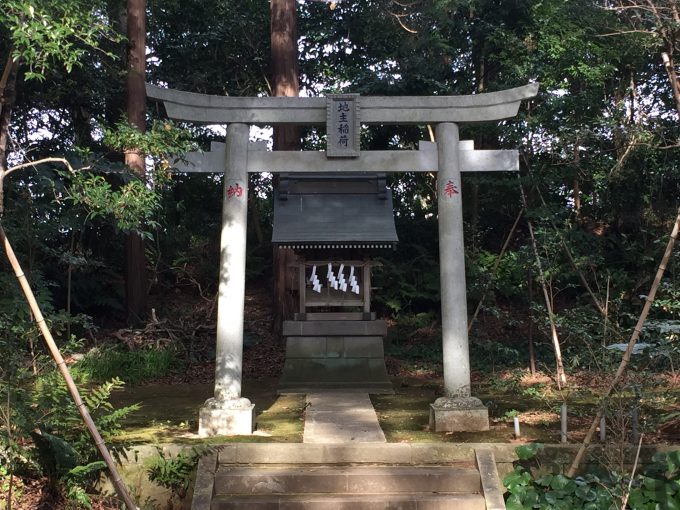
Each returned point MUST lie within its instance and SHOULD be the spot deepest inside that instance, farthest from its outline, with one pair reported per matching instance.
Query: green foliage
(64, 451)
(132, 206)
(174, 472)
(80, 477)
(163, 141)
(45, 33)
(133, 367)
(657, 487)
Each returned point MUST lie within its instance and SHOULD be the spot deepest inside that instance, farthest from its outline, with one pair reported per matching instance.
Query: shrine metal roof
(334, 220)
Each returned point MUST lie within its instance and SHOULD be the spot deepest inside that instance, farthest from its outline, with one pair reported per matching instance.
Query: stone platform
(364, 476)
(333, 355)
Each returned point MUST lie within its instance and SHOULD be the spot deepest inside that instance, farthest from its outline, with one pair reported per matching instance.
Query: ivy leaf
(528, 451)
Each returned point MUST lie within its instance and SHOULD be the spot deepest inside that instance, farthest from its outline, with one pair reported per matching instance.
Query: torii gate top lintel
(212, 109)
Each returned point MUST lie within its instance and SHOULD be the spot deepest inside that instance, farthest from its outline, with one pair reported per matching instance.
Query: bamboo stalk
(61, 365)
(629, 349)
(561, 376)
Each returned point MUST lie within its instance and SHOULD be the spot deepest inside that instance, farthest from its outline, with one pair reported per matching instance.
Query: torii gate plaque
(228, 412)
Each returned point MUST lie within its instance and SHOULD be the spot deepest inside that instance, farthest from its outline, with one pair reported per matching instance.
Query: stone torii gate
(228, 412)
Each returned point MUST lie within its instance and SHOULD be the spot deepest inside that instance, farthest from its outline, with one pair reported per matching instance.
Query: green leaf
(559, 482)
(514, 503)
(528, 451)
(516, 478)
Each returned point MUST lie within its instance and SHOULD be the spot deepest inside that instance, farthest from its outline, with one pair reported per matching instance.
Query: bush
(657, 487)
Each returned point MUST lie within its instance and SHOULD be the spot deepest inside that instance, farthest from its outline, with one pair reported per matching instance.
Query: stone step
(351, 502)
(345, 479)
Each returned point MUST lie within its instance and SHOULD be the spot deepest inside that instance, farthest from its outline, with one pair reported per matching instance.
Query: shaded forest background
(581, 228)
(599, 162)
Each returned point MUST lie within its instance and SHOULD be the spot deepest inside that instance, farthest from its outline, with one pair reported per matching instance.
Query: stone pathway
(341, 418)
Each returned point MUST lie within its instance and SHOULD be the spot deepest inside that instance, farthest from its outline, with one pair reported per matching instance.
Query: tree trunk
(8, 83)
(286, 137)
(135, 259)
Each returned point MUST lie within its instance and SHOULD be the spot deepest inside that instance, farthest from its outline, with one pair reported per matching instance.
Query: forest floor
(170, 403)
(169, 412)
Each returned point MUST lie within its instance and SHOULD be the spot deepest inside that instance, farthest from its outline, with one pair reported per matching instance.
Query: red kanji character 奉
(450, 189)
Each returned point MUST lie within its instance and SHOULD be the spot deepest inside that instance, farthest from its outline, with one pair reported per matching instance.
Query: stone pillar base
(458, 414)
(226, 418)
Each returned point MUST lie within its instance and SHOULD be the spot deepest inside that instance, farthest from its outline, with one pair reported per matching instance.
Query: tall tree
(286, 137)
(135, 260)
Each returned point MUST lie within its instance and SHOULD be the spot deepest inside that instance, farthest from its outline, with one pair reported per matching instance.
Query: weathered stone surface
(306, 347)
(353, 502)
(230, 300)
(422, 160)
(343, 125)
(455, 348)
(491, 484)
(341, 418)
(209, 109)
(344, 479)
(458, 403)
(226, 418)
(205, 481)
(458, 418)
(334, 328)
(363, 347)
(332, 358)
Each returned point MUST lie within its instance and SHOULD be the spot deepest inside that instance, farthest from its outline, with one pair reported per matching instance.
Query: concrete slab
(492, 488)
(332, 418)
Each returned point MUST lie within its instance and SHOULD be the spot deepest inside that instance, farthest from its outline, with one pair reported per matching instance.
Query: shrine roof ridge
(213, 109)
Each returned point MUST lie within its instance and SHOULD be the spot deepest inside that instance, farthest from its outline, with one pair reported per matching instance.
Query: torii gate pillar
(227, 413)
(457, 410)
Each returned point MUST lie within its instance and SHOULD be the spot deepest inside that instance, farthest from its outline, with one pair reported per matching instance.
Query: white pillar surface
(230, 301)
(228, 413)
(452, 264)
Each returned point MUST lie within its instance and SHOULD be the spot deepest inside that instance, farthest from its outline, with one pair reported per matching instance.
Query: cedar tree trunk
(135, 260)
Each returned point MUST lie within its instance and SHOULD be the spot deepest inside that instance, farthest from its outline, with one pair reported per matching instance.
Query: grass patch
(169, 414)
(133, 367)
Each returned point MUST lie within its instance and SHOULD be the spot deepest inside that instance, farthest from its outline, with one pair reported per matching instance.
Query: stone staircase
(348, 476)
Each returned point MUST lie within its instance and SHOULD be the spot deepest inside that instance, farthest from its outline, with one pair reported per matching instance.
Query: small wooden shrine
(336, 225)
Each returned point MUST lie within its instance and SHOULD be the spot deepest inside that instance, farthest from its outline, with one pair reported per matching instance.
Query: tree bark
(135, 259)
(286, 137)
(8, 83)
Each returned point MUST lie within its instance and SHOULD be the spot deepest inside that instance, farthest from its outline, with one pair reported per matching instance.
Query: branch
(629, 349)
(39, 162)
(401, 23)
(633, 31)
(5, 74)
